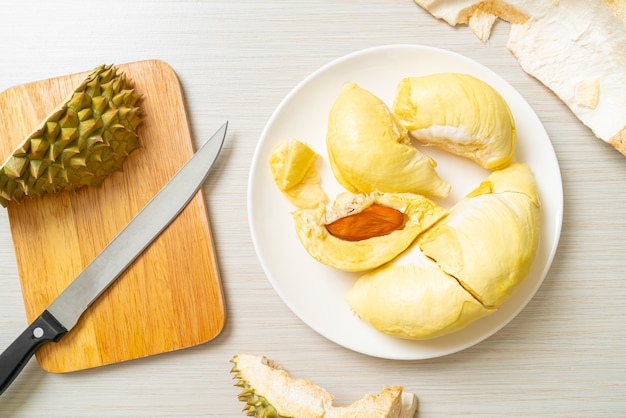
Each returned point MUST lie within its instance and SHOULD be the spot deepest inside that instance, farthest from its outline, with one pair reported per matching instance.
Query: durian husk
(80, 143)
(268, 391)
(575, 48)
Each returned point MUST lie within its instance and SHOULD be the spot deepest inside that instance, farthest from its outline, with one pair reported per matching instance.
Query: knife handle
(42, 330)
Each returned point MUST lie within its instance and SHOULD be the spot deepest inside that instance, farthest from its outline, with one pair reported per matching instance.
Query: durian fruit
(462, 268)
(460, 114)
(80, 143)
(575, 48)
(345, 254)
(268, 391)
(411, 297)
(292, 164)
(489, 239)
(370, 151)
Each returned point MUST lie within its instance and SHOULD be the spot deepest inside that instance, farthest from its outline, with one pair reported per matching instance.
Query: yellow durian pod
(359, 252)
(460, 114)
(292, 164)
(411, 297)
(370, 151)
(489, 239)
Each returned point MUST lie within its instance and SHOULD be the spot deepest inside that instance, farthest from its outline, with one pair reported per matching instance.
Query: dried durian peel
(269, 391)
(576, 49)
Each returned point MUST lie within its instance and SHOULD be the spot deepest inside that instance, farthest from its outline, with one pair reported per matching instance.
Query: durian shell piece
(390, 402)
(460, 114)
(575, 48)
(292, 164)
(370, 151)
(475, 12)
(489, 239)
(420, 213)
(80, 143)
(269, 391)
(411, 297)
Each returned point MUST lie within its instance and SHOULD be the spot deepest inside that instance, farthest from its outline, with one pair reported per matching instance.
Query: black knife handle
(42, 330)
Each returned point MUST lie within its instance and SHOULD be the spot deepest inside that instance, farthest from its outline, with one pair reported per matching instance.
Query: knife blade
(64, 311)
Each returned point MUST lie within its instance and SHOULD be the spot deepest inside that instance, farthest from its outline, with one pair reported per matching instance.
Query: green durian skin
(79, 144)
(255, 405)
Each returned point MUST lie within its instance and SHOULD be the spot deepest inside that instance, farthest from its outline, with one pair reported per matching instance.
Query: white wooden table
(564, 355)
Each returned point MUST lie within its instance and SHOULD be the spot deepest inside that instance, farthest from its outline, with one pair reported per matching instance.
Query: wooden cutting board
(169, 298)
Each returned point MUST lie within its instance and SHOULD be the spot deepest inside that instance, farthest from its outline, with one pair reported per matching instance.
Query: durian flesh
(411, 297)
(268, 391)
(84, 140)
(293, 167)
(458, 113)
(462, 268)
(420, 213)
(489, 239)
(370, 151)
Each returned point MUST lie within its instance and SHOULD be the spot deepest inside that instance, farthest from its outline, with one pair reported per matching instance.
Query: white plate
(315, 292)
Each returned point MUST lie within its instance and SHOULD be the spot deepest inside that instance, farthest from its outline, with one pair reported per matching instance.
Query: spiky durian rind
(80, 143)
(269, 392)
(256, 405)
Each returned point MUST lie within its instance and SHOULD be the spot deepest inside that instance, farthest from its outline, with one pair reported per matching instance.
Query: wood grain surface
(171, 296)
(563, 356)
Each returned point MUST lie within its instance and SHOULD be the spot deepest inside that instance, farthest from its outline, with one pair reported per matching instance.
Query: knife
(63, 313)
